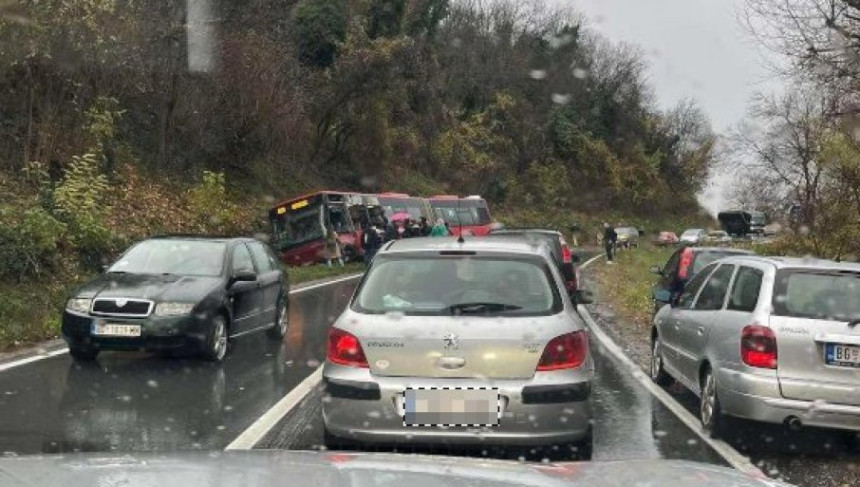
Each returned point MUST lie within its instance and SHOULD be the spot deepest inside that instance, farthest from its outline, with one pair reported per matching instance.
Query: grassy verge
(299, 275)
(627, 284)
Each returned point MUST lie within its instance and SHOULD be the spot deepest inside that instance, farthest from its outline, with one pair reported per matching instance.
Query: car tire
(710, 411)
(217, 340)
(83, 354)
(658, 371)
(332, 442)
(282, 323)
(584, 448)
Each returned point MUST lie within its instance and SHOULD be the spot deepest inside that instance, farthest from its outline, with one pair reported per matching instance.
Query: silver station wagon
(460, 343)
(766, 338)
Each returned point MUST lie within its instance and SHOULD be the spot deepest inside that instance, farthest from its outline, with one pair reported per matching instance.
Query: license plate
(116, 330)
(451, 407)
(842, 355)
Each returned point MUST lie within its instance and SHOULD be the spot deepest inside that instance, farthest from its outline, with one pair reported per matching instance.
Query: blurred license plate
(451, 407)
(843, 355)
(116, 330)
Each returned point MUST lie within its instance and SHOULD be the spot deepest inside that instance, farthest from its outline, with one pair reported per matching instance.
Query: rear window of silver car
(825, 295)
(446, 285)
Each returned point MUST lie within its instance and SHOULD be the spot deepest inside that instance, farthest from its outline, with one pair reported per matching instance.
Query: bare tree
(784, 142)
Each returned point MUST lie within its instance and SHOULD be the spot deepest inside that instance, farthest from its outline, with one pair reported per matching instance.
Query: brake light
(566, 351)
(345, 349)
(566, 255)
(758, 347)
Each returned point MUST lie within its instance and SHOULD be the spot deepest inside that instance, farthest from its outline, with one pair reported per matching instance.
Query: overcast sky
(695, 48)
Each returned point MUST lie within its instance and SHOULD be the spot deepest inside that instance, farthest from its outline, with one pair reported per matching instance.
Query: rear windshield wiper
(480, 307)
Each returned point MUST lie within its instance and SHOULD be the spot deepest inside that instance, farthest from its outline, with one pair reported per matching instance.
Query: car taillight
(566, 255)
(566, 351)
(758, 347)
(345, 349)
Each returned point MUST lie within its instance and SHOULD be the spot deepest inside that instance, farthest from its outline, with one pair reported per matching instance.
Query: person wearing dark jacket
(609, 240)
(370, 242)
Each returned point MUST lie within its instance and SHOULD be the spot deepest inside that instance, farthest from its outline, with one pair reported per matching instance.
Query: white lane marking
(254, 433)
(53, 353)
(732, 456)
(327, 283)
(32, 358)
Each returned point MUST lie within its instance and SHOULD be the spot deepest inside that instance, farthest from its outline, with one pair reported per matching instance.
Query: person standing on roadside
(332, 247)
(370, 242)
(609, 239)
(439, 229)
(424, 227)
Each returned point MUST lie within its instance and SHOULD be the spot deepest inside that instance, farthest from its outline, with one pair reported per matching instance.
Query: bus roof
(311, 195)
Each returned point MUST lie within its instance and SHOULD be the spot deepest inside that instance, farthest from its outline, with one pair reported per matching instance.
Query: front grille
(122, 307)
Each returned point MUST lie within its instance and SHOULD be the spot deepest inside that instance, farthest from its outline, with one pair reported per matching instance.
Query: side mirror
(656, 270)
(243, 276)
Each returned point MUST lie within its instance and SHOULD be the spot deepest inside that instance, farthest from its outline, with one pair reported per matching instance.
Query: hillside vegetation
(123, 119)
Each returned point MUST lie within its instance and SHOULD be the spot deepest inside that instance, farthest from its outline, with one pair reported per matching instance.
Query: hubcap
(709, 399)
(656, 361)
(219, 344)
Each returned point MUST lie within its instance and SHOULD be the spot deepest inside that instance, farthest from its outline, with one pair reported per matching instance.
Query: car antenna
(460, 239)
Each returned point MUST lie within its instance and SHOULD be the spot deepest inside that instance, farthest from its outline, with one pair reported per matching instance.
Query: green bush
(28, 242)
(81, 202)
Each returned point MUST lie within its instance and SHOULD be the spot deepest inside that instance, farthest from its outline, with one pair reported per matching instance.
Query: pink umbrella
(400, 215)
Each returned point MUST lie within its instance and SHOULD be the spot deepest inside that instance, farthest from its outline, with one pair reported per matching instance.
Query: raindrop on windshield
(579, 73)
(313, 363)
(538, 74)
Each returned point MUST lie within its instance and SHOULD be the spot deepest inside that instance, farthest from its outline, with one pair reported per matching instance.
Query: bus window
(338, 218)
(297, 227)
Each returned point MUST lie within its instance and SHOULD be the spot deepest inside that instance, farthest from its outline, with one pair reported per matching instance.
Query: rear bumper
(171, 333)
(757, 397)
(371, 412)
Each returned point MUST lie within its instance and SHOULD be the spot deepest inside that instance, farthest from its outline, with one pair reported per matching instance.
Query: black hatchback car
(180, 293)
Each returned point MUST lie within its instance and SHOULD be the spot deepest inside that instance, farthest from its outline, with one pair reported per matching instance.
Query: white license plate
(843, 355)
(451, 407)
(116, 330)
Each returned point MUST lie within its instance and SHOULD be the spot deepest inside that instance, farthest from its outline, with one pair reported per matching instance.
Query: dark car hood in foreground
(144, 286)
(260, 468)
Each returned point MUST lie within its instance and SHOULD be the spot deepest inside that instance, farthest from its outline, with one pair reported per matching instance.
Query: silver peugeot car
(460, 344)
(766, 338)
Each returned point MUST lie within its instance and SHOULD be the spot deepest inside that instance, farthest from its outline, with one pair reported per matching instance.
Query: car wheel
(658, 371)
(332, 442)
(710, 411)
(81, 354)
(282, 324)
(216, 343)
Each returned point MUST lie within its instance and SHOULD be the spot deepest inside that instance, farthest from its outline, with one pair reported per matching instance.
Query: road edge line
(11, 364)
(729, 454)
(261, 427)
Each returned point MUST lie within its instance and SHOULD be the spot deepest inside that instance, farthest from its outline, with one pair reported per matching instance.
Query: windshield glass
(817, 294)
(180, 257)
(300, 226)
(441, 286)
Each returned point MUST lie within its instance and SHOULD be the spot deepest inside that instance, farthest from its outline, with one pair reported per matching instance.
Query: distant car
(768, 339)
(435, 323)
(718, 237)
(693, 236)
(179, 293)
(627, 237)
(666, 238)
(565, 259)
(682, 266)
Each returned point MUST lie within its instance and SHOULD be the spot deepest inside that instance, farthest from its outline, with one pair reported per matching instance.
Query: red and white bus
(470, 214)
(298, 225)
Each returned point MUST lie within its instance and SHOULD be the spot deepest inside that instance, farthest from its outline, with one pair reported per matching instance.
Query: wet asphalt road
(140, 402)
